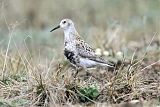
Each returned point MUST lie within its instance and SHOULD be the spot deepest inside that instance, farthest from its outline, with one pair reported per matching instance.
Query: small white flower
(98, 52)
(106, 53)
(119, 54)
(134, 101)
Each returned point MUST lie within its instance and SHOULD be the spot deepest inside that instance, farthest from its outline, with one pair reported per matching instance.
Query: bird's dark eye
(64, 22)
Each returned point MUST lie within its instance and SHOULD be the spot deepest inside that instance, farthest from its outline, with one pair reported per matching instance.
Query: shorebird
(77, 51)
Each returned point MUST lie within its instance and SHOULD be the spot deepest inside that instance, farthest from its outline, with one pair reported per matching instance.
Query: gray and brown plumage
(77, 51)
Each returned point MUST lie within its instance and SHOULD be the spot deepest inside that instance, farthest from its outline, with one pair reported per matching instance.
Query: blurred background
(26, 23)
(33, 70)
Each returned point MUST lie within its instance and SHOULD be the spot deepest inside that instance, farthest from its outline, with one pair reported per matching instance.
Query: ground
(34, 71)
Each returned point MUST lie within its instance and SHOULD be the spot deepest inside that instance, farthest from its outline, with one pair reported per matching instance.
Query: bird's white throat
(70, 34)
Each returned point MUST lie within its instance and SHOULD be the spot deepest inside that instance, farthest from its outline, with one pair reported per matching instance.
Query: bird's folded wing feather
(86, 51)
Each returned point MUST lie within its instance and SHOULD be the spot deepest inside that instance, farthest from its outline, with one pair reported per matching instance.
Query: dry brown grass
(26, 80)
(34, 71)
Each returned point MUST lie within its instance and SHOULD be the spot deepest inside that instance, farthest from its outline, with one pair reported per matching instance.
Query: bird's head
(65, 24)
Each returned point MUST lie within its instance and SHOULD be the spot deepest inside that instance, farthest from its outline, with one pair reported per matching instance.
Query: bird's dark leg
(76, 72)
(87, 74)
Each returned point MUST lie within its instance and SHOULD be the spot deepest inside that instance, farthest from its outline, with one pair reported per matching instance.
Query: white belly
(87, 63)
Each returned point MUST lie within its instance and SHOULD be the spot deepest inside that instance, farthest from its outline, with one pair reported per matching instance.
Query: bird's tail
(108, 64)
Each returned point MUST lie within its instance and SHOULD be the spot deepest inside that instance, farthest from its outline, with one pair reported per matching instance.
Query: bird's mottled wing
(86, 51)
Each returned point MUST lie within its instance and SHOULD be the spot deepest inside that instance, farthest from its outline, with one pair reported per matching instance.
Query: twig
(8, 46)
(150, 65)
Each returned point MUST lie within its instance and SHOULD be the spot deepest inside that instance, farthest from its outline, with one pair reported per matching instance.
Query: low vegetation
(34, 71)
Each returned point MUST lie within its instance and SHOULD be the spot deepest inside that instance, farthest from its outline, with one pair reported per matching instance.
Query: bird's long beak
(55, 28)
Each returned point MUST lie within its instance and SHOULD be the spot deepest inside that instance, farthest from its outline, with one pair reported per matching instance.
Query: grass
(34, 71)
(29, 79)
